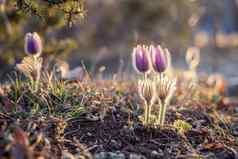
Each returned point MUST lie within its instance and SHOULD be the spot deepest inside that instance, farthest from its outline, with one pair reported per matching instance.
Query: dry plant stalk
(193, 60)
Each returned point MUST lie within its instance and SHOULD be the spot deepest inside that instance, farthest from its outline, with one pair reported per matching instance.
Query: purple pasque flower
(158, 59)
(33, 44)
(140, 58)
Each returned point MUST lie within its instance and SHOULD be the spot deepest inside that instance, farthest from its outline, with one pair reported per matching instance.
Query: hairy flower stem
(146, 114)
(145, 76)
(34, 85)
(147, 107)
(149, 112)
(162, 112)
(166, 88)
(194, 72)
(35, 78)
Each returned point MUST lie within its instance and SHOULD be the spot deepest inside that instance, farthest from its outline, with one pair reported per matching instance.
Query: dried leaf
(213, 146)
(21, 137)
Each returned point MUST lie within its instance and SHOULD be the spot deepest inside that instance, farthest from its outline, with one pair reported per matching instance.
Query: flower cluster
(154, 60)
(150, 58)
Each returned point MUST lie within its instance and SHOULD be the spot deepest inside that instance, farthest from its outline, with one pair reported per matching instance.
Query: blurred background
(103, 38)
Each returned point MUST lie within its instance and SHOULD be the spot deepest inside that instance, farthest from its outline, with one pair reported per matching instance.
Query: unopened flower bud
(33, 44)
(141, 61)
(158, 59)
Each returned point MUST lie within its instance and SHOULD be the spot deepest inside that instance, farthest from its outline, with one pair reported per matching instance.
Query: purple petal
(158, 59)
(141, 59)
(33, 45)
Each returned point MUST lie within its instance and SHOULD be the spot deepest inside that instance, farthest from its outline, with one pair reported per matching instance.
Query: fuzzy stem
(193, 71)
(162, 114)
(159, 116)
(165, 104)
(145, 76)
(146, 113)
(36, 77)
(149, 113)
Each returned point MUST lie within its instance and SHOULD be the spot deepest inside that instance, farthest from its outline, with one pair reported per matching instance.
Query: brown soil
(116, 132)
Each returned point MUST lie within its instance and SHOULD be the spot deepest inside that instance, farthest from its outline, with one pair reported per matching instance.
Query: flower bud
(158, 59)
(33, 44)
(141, 61)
